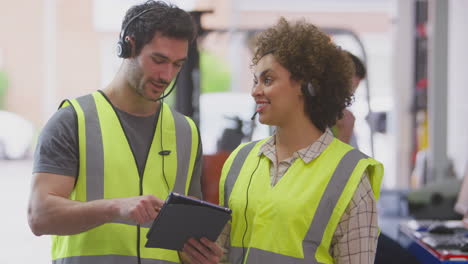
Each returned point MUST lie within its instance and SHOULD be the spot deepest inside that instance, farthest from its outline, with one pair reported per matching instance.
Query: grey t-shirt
(57, 147)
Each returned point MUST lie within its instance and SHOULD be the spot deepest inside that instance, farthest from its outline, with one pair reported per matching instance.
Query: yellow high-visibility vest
(293, 221)
(107, 169)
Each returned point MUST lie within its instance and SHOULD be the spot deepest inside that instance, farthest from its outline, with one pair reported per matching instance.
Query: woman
(300, 196)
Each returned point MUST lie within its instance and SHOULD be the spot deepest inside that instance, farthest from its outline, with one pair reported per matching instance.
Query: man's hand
(140, 209)
(201, 252)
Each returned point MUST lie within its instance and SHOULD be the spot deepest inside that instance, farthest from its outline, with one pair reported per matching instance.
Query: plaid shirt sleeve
(355, 238)
(224, 243)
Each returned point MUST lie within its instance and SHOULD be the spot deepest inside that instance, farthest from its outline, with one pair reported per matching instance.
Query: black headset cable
(245, 209)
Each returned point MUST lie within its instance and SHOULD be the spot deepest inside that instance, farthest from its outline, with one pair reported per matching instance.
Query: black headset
(309, 89)
(124, 49)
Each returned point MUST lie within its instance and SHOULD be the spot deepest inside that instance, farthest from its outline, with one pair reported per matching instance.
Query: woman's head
(312, 60)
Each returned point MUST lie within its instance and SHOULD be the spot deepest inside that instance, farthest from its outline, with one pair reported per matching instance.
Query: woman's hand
(201, 252)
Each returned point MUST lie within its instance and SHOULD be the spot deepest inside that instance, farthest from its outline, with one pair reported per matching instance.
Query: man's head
(143, 21)
(158, 40)
(359, 70)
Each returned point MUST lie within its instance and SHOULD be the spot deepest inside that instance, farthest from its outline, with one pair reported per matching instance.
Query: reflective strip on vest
(184, 146)
(95, 152)
(319, 223)
(235, 169)
(114, 259)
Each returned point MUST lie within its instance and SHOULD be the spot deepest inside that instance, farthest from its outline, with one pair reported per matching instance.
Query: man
(345, 126)
(105, 161)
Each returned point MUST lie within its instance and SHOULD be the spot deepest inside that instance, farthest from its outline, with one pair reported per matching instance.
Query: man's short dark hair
(359, 68)
(166, 19)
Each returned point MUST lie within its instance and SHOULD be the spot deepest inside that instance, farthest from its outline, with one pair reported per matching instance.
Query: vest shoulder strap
(235, 168)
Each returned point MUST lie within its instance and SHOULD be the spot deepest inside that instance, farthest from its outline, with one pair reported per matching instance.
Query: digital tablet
(182, 217)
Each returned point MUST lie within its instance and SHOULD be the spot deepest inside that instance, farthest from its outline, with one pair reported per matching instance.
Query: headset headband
(124, 30)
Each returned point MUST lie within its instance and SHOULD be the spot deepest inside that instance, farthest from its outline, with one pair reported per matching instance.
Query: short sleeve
(57, 147)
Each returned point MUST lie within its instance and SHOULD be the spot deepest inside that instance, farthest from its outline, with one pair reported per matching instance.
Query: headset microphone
(253, 116)
(170, 90)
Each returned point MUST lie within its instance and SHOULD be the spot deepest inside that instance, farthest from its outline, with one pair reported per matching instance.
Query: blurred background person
(344, 128)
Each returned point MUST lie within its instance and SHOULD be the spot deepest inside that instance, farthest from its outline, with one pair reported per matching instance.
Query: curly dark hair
(167, 19)
(311, 57)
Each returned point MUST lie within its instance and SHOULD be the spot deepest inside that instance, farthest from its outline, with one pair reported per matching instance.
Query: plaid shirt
(355, 238)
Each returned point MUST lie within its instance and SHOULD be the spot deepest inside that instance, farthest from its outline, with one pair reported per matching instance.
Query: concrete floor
(17, 242)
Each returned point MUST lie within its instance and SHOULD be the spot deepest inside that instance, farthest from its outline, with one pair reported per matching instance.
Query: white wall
(458, 85)
(403, 68)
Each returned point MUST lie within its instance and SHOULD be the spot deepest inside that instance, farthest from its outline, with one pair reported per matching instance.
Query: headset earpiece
(310, 89)
(124, 48)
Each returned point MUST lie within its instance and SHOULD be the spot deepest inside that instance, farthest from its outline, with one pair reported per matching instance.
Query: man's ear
(131, 42)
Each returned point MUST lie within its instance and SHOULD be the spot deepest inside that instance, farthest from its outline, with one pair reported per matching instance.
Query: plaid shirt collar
(307, 154)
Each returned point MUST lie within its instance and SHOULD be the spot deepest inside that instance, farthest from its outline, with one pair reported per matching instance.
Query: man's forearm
(59, 216)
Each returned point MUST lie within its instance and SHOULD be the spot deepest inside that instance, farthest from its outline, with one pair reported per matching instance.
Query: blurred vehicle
(16, 136)
(225, 121)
